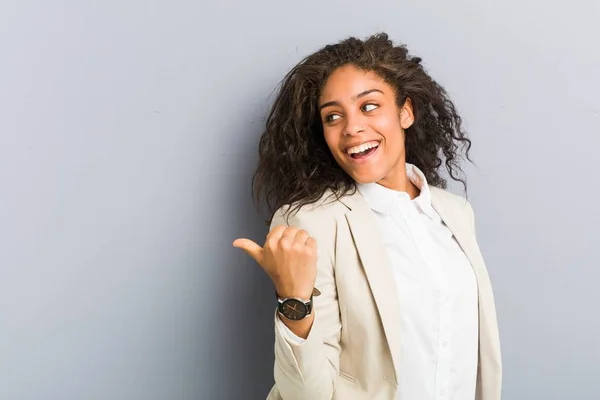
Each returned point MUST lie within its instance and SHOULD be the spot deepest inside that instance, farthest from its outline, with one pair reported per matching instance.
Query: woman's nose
(354, 126)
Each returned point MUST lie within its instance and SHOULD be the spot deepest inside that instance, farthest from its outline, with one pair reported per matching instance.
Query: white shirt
(437, 295)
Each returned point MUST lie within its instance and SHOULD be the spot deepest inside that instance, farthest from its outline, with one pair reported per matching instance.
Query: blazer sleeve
(309, 370)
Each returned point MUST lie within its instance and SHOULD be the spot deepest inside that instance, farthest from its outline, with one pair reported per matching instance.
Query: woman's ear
(407, 116)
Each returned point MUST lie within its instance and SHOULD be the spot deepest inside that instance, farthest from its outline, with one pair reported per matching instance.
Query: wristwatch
(294, 308)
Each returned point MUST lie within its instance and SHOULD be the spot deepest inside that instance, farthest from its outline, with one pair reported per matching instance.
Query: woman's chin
(365, 178)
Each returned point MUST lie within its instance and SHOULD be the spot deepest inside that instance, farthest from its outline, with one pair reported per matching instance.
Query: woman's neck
(400, 182)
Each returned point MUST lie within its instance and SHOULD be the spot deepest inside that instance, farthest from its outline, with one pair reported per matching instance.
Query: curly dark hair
(295, 165)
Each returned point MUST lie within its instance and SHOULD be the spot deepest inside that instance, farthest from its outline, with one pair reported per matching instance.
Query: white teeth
(362, 147)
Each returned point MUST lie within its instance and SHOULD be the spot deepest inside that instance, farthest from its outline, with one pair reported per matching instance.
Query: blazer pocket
(347, 376)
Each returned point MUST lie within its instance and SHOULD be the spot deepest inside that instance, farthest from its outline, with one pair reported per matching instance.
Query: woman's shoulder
(453, 203)
(449, 199)
(325, 211)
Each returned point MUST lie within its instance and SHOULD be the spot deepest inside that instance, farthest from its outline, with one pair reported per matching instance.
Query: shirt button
(442, 392)
(444, 344)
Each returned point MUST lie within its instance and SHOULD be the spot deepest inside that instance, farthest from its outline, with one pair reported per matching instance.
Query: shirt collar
(382, 199)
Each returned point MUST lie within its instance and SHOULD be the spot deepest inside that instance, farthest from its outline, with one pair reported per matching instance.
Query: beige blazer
(352, 351)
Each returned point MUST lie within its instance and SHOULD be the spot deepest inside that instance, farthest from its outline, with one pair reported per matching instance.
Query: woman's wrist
(300, 328)
(295, 293)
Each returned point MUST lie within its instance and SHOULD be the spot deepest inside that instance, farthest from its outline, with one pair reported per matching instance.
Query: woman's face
(363, 126)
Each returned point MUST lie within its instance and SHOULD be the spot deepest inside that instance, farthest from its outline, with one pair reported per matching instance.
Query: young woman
(382, 292)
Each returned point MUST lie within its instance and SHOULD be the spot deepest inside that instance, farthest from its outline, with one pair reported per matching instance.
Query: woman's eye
(369, 107)
(331, 117)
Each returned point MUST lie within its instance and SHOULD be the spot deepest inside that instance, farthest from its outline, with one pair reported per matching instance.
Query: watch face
(294, 309)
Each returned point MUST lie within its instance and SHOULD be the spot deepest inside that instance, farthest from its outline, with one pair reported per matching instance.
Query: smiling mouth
(363, 150)
(363, 154)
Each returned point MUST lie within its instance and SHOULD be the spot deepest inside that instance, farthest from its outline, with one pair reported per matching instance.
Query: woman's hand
(289, 257)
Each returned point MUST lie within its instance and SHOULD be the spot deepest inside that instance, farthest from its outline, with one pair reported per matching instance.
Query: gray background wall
(128, 133)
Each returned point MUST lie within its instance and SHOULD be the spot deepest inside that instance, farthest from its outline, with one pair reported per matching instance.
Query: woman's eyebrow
(354, 98)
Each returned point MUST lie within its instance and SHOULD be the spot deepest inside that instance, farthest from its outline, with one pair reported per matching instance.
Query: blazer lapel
(461, 230)
(377, 267)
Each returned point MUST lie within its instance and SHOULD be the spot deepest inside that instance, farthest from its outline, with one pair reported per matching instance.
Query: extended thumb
(250, 247)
